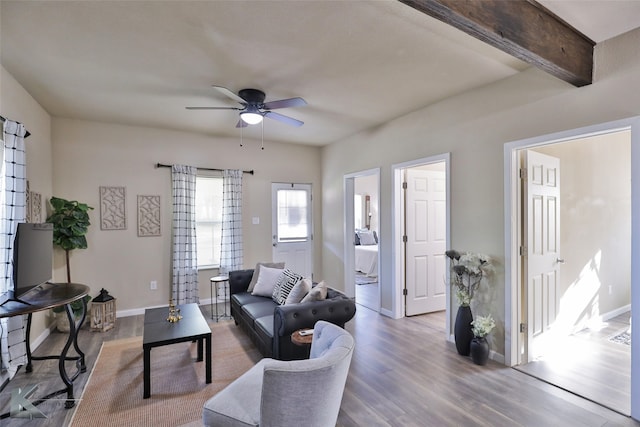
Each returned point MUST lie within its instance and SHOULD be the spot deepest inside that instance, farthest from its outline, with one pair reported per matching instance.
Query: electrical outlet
(153, 285)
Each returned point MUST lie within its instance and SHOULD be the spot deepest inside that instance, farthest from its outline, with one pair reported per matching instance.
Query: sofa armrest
(291, 317)
(239, 280)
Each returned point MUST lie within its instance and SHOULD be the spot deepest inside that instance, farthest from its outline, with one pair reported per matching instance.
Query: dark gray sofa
(270, 325)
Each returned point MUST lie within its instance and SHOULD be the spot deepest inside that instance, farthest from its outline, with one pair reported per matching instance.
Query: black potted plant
(482, 326)
(70, 221)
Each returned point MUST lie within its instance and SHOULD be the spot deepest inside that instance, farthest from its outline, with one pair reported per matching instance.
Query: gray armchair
(282, 394)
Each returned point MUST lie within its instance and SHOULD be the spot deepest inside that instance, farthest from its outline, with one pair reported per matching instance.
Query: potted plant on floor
(479, 348)
(70, 221)
(467, 272)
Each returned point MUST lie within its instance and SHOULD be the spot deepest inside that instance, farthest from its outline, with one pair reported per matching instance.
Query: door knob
(559, 260)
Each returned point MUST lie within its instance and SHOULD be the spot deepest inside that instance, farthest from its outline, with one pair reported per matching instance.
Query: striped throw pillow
(287, 281)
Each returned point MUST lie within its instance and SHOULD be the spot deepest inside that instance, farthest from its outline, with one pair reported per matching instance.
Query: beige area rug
(113, 395)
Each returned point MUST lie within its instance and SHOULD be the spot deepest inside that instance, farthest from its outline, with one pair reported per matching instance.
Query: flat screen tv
(32, 258)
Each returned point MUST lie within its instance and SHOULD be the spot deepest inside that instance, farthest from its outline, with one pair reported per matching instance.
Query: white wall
(88, 155)
(16, 104)
(595, 236)
(473, 127)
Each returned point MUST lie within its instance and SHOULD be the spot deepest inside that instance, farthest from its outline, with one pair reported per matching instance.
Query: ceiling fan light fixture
(251, 118)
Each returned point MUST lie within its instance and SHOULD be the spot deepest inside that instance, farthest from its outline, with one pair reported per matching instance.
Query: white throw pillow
(366, 238)
(299, 291)
(267, 281)
(256, 272)
(318, 293)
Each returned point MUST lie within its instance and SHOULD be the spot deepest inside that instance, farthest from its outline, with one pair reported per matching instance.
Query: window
(292, 216)
(208, 220)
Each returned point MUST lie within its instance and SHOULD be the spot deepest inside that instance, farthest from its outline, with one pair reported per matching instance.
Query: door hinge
(404, 185)
(404, 291)
(404, 239)
(523, 327)
(523, 251)
(523, 174)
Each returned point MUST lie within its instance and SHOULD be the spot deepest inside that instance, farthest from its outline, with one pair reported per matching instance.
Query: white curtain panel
(231, 241)
(184, 288)
(12, 211)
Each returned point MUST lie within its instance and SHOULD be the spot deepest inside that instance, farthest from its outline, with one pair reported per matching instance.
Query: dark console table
(158, 332)
(44, 297)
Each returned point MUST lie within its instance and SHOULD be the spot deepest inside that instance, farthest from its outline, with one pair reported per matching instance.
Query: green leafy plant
(76, 306)
(482, 326)
(70, 221)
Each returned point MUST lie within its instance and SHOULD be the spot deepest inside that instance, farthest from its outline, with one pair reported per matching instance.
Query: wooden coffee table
(158, 332)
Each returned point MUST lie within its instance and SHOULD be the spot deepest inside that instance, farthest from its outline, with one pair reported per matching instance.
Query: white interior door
(292, 227)
(426, 238)
(541, 250)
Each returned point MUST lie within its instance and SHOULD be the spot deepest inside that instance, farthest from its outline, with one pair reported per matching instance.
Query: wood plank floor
(590, 365)
(368, 295)
(403, 373)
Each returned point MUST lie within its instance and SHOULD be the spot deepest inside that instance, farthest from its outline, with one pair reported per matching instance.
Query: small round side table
(301, 340)
(215, 282)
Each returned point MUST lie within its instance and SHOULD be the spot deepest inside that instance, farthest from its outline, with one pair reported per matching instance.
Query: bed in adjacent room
(366, 248)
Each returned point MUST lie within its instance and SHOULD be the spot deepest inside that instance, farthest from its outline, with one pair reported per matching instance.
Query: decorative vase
(479, 350)
(462, 330)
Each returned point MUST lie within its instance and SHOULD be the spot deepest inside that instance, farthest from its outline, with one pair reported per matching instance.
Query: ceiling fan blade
(228, 93)
(285, 103)
(213, 108)
(284, 119)
(241, 124)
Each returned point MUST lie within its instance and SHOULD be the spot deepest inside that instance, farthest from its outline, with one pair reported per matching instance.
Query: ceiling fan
(254, 108)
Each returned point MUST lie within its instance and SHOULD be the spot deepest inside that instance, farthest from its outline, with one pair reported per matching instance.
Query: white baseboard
(135, 311)
(388, 313)
(139, 311)
(615, 313)
(40, 338)
(497, 357)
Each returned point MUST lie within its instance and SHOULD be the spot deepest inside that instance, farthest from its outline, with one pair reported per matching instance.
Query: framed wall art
(148, 216)
(113, 208)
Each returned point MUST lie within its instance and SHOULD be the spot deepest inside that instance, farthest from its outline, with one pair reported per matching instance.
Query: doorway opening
(362, 238)
(568, 266)
(421, 235)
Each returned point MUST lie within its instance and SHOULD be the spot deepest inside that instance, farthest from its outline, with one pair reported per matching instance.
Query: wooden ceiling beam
(521, 28)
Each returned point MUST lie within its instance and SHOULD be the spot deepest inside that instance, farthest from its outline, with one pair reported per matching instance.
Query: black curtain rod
(160, 165)
(26, 135)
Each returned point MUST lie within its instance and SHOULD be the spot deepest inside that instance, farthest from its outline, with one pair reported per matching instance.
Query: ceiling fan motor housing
(252, 96)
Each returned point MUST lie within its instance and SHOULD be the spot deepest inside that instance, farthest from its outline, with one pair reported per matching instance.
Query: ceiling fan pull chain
(263, 135)
(240, 136)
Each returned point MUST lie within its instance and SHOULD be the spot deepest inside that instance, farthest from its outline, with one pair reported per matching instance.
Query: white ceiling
(358, 64)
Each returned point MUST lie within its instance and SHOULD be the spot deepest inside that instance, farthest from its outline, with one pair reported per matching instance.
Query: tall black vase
(462, 330)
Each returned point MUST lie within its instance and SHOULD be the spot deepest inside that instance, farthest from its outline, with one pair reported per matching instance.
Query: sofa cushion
(244, 298)
(317, 293)
(256, 272)
(282, 289)
(299, 291)
(267, 281)
(254, 311)
(264, 327)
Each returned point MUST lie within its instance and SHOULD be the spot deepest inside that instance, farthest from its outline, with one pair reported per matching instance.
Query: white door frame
(511, 213)
(397, 221)
(349, 231)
